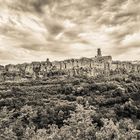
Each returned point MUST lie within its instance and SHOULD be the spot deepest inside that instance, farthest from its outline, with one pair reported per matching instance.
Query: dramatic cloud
(32, 30)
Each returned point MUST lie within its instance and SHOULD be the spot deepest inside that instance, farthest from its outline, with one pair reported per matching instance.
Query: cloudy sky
(32, 30)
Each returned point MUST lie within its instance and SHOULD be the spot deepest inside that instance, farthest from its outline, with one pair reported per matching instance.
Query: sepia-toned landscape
(76, 99)
(69, 69)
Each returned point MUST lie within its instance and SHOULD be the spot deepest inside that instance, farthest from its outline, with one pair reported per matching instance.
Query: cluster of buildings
(98, 65)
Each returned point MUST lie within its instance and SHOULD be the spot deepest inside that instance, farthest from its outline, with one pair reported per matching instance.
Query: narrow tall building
(99, 54)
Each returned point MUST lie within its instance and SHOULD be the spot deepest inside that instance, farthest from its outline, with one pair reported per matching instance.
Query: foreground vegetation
(78, 108)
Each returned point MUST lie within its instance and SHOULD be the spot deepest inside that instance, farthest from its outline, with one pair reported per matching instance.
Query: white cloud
(62, 29)
(132, 40)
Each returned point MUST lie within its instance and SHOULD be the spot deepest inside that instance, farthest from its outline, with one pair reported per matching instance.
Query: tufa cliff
(98, 65)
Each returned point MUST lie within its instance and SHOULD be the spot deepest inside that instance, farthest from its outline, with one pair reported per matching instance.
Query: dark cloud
(38, 4)
(59, 28)
(28, 5)
(53, 27)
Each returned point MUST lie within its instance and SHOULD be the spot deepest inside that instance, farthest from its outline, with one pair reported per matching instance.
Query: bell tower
(99, 53)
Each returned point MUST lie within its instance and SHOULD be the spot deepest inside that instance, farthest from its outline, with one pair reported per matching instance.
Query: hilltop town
(98, 65)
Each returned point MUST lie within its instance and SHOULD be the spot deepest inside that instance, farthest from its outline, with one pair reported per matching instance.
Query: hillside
(73, 108)
(89, 67)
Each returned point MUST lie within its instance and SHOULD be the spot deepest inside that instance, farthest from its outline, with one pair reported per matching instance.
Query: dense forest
(71, 108)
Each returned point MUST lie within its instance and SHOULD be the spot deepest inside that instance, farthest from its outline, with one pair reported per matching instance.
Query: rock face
(98, 65)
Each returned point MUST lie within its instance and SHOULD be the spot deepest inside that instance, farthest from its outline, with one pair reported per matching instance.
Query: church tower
(99, 54)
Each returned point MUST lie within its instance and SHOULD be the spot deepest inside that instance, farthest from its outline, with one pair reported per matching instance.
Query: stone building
(98, 65)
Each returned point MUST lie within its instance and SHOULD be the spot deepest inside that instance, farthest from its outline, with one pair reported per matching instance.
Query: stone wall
(125, 67)
(99, 65)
